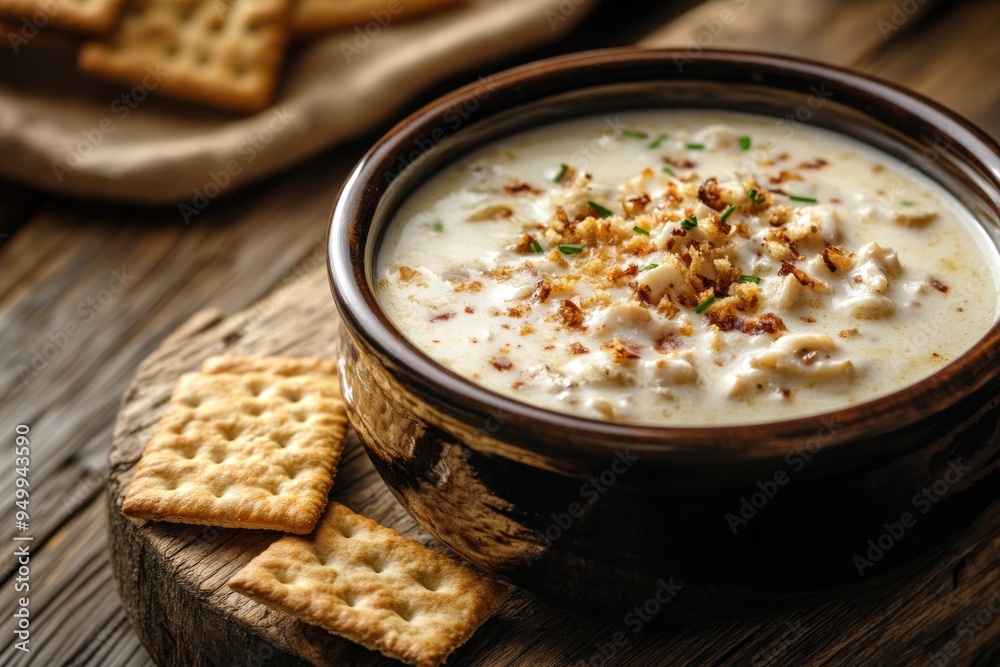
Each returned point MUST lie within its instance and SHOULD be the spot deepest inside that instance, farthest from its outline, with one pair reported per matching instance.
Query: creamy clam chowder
(687, 267)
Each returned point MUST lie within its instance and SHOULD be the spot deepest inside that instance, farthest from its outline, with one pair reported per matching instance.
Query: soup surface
(687, 268)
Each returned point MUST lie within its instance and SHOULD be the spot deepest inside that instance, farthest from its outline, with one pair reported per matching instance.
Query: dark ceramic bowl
(745, 519)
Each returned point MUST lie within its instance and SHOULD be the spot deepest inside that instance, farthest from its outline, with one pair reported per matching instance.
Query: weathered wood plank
(953, 60)
(839, 31)
(82, 304)
(70, 585)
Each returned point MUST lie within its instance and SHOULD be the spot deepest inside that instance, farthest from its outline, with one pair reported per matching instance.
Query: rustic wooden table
(88, 290)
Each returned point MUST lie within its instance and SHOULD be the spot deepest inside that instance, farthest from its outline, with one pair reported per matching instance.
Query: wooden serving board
(172, 578)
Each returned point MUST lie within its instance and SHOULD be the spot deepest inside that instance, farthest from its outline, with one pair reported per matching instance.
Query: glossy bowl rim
(547, 432)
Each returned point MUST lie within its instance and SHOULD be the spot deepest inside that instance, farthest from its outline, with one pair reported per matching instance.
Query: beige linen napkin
(61, 131)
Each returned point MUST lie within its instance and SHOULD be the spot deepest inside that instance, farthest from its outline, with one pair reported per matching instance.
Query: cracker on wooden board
(369, 584)
(225, 53)
(246, 443)
(315, 16)
(95, 17)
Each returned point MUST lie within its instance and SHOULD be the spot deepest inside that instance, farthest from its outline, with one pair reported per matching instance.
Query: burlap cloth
(64, 132)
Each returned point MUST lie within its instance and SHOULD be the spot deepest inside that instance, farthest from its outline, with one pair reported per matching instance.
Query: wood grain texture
(237, 250)
(838, 31)
(947, 58)
(82, 304)
(234, 253)
(173, 576)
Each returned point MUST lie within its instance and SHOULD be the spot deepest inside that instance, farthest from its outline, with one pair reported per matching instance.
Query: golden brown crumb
(939, 286)
(679, 164)
(491, 212)
(519, 188)
(620, 352)
(524, 244)
(836, 259)
(643, 294)
(562, 283)
(784, 176)
(804, 279)
(519, 310)
(818, 163)
(468, 286)
(616, 275)
(768, 323)
(667, 308)
(500, 273)
(636, 205)
(541, 293)
(708, 193)
(571, 314)
(668, 343)
(778, 216)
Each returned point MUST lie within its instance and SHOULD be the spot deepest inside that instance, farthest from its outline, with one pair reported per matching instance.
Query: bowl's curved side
(740, 542)
(745, 519)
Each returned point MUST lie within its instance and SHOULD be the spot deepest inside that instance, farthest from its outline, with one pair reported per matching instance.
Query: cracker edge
(91, 25)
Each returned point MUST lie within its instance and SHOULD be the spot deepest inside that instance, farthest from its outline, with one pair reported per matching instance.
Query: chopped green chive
(639, 230)
(808, 200)
(655, 143)
(599, 210)
(725, 214)
(703, 306)
(744, 278)
(630, 134)
(648, 267)
(571, 249)
(754, 197)
(535, 246)
(694, 147)
(745, 143)
(563, 168)
(668, 170)
(690, 223)
(906, 202)
(437, 226)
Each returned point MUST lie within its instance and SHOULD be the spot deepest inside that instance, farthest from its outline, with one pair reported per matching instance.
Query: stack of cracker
(224, 53)
(254, 443)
